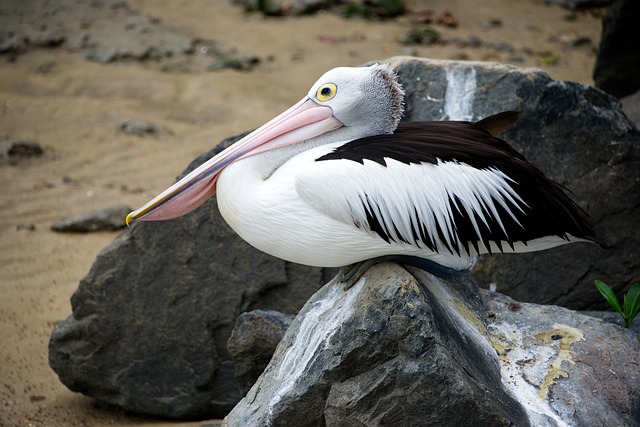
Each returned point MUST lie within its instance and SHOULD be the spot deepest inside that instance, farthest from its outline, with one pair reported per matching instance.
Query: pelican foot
(350, 274)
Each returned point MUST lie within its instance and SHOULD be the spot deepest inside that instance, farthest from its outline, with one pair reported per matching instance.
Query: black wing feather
(549, 210)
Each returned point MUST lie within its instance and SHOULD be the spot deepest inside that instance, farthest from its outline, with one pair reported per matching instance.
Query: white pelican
(337, 180)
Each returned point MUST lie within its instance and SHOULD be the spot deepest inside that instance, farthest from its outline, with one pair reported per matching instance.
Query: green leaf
(608, 294)
(632, 303)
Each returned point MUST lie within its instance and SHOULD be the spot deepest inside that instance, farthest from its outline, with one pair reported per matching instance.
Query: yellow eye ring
(326, 92)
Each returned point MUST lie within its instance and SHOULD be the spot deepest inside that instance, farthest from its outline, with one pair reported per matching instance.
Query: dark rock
(631, 107)
(614, 318)
(372, 355)
(152, 318)
(253, 341)
(578, 136)
(580, 4)
(109, 219)
(141, 128)
(491, 23)
(29, 226)
(14, 149)
(618, 62)
(353, 8)
(233, 64)
(403, 350)
(582, 367)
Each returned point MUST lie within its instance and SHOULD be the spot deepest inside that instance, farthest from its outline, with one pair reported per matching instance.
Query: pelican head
(344, 104)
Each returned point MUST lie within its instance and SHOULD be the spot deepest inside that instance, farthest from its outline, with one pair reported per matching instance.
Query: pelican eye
(326, 92)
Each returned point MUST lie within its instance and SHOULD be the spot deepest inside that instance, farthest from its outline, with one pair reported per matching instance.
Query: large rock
(152, 318)
(579, 137)
(411, 349)
(618, 62)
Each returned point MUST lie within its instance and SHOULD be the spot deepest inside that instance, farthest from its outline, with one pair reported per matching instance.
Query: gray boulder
(152, 318)
(403, 347)
(253, 341)
(578, 136)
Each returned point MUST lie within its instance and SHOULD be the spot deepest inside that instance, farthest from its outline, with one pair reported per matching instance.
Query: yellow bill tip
(130, 217)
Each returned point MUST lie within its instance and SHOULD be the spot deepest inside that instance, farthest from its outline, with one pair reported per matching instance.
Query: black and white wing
(450, 186)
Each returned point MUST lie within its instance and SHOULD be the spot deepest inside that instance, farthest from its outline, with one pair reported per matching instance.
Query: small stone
(103, 54)
(447, 19)
(110, 219)
(142, 128)
(26, 226)
(14, 149)
(239, 64)
(492, 23)
(500, 46)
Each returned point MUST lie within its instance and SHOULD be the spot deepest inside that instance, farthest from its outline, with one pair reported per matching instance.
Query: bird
(338, 180)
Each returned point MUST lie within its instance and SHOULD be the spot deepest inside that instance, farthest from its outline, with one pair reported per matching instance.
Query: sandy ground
(75, 111)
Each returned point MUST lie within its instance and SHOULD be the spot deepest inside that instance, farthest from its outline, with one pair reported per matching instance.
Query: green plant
(370, 9)
(630, 303)
(422, 35)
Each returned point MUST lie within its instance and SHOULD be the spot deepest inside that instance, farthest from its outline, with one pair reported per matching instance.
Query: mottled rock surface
(372, 355)
(398, 349)
(253, 341)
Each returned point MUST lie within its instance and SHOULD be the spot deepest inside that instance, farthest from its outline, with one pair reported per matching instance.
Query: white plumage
(329, 183)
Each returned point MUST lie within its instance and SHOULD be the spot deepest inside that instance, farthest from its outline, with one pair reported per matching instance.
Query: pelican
(338, 181)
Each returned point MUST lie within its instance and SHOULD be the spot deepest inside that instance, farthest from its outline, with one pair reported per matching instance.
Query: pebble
(109, 219)
(13, 149)
(142, 128)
